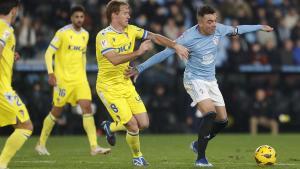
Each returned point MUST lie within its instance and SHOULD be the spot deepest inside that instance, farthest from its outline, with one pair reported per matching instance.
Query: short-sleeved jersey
(110, 39)
(70, 46)
(8, 42)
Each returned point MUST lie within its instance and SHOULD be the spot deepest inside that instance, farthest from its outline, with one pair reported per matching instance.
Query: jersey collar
(112, 28)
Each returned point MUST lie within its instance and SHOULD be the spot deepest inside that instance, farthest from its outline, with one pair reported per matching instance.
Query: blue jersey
(202, 48)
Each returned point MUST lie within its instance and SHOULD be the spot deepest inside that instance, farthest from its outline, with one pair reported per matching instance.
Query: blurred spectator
(296, 52)
(27, 38)
(261, 113)
(170, 29)
(236, 55)
(286, 54)
(295, 35)
(257, 56)
(272, 53)
(160, 110)
(291, 18)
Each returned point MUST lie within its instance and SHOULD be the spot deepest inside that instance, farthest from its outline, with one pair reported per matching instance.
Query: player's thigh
(12, 109)
(117, 107)
(221, 113)
(135, 102)
(62, 94)
(83, 95)
(198, 91)
(215, 94)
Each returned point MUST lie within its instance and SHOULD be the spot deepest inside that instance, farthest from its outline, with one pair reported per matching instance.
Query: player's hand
(145, 46)
(181, 51)
(52, 79)
(131, 72)
(267, 28)
(17, 56)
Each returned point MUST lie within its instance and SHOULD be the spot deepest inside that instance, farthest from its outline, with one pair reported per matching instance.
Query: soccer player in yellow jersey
(12, 110)
(114, 49)
(69, 79)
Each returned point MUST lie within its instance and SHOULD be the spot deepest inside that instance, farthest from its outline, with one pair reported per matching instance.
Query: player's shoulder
(4, 27)
(65, 28)
(106, 31)
(189, 33)
(220, 27)
(84, 31)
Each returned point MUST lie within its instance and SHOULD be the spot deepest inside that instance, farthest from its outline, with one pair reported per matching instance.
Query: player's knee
(86, 107)
(56, 112)
(210, 115)
(132, 126)
(26, 125)
(144, 125)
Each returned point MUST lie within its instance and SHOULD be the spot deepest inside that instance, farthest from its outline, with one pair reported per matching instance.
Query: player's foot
(139, 161)
(194, 146)
(42, 150)
(100, 150)
(110, 136)
(203, 163)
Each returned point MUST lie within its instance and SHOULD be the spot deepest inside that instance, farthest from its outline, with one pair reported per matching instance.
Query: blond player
(114, 49)
(69, 79)
(12, 110)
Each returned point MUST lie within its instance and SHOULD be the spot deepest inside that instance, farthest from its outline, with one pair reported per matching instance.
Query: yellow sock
(116, 126)
(49, 122)
(133, 140)
(13, 144)
(90, 129)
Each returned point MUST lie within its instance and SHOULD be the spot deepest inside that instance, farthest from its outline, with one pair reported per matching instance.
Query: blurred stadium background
(258, 73)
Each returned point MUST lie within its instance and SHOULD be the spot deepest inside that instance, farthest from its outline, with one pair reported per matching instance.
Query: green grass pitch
(228, 151)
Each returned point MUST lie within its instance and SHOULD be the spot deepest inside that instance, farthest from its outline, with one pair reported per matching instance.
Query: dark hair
(7, 5)
(114, 7)
(204, 10)
(77, 8)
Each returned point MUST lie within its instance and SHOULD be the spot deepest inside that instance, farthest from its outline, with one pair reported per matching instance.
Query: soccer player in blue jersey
(199, 76)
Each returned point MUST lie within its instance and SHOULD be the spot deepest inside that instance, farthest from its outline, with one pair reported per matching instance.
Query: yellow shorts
(12, 109)
(63, 94)
(122, 105)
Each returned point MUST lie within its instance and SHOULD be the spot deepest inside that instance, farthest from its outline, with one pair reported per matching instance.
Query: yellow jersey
(110, 39)
(8, 42)
(70, 56)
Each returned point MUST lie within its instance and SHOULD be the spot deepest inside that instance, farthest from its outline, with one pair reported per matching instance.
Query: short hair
(204, 10)
(7, 5)
(77, 8)
(114, 7)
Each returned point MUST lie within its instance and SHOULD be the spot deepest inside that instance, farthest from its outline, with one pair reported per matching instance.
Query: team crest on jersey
(216, 40)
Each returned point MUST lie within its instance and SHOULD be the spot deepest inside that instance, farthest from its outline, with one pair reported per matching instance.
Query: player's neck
(117, 27)
(6, 19)
(76, 28)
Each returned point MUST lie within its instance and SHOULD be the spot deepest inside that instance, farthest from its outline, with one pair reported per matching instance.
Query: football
(265, 155)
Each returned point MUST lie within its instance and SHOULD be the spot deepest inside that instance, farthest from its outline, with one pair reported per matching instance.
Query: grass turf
(232, 151)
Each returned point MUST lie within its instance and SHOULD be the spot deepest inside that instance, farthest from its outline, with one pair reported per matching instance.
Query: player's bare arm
(181, 51)
(116, 58)
(49, 61)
